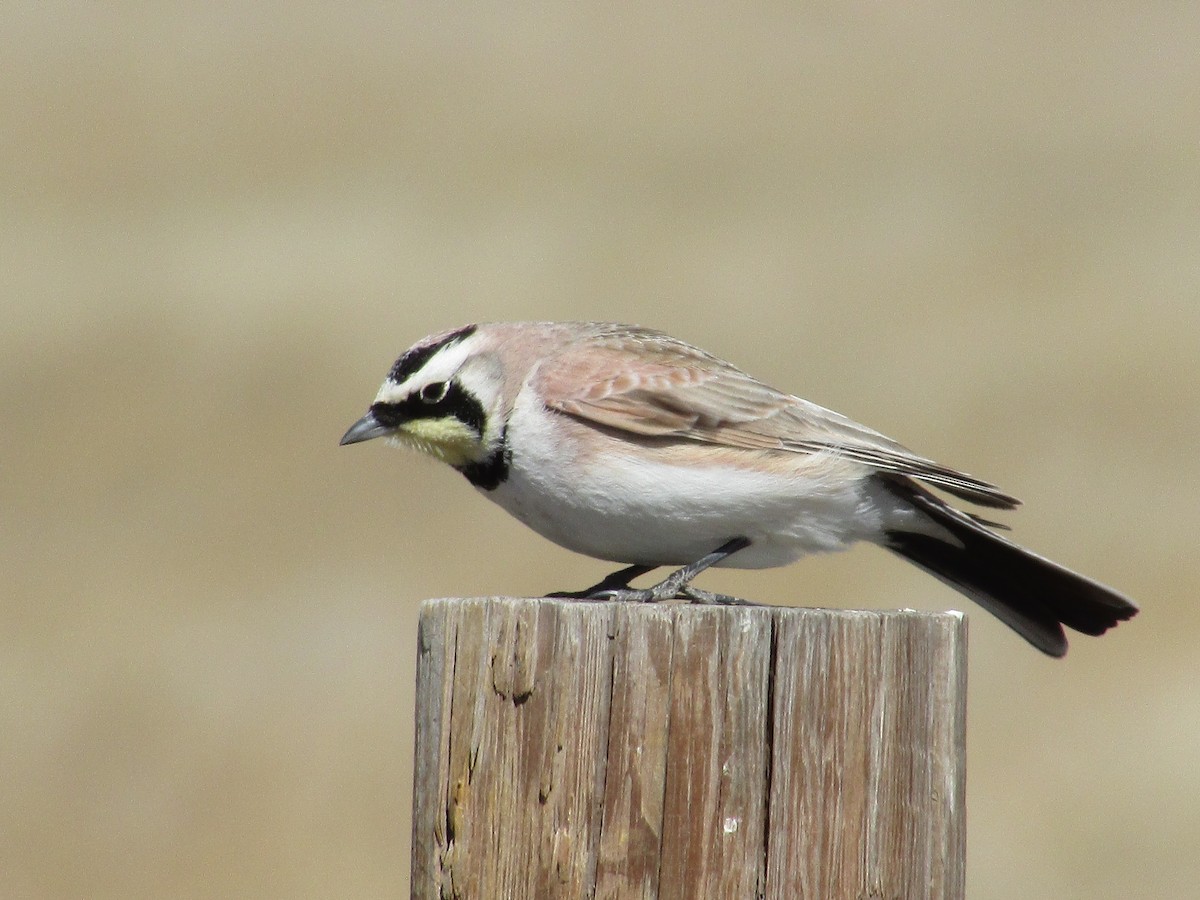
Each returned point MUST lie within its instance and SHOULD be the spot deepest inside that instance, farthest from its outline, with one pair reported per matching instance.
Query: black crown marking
(414, 359)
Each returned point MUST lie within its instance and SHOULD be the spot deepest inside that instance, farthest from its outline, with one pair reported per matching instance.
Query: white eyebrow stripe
(439, 367)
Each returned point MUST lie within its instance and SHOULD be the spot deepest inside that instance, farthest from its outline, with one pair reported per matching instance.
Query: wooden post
(616, 750)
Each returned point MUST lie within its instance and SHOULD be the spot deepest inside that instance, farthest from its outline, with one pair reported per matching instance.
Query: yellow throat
(447, 438)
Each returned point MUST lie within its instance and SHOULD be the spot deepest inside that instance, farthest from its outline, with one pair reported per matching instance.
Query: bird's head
(442, 397)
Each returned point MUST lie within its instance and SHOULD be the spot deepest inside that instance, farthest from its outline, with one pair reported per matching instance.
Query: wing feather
(645, 383)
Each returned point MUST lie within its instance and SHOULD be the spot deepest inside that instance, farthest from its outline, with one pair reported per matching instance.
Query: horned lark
(628, 445)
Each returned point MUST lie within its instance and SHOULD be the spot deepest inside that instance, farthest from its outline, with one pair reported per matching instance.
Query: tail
(1030, 594)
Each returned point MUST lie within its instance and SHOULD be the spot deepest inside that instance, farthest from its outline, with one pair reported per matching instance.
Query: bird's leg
(615, 583)
(677, 584)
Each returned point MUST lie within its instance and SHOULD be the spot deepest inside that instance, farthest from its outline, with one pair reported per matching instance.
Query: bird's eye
(434, 392)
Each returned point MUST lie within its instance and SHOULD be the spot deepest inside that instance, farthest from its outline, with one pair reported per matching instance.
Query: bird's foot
(677, 585)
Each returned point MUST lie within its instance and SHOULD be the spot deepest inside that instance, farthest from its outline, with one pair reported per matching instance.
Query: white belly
(615, 504)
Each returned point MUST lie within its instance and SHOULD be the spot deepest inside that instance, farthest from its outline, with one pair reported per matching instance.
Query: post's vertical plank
(866, 785)
(818, 801)
(629, 851)
(528, 688)
(435, 654)
(574, 685)
(467, 683)
(717, 746)
(921, 714)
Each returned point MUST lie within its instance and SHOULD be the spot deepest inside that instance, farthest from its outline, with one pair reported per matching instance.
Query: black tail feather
(1031, 594)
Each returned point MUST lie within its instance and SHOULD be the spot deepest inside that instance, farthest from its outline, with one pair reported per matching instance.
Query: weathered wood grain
(610, 750)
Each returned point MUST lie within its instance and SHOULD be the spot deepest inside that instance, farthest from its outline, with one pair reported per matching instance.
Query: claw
(706, 598)
(626, 595)
(616, 583)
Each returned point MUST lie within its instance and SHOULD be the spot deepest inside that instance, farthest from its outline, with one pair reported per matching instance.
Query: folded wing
(646, 383)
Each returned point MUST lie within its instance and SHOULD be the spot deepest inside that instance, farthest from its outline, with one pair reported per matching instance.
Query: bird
(628, 445)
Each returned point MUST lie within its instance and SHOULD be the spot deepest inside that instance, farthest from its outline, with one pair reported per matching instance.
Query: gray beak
(363, 430)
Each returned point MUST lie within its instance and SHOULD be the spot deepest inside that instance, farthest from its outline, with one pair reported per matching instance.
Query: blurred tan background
(974, 228)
